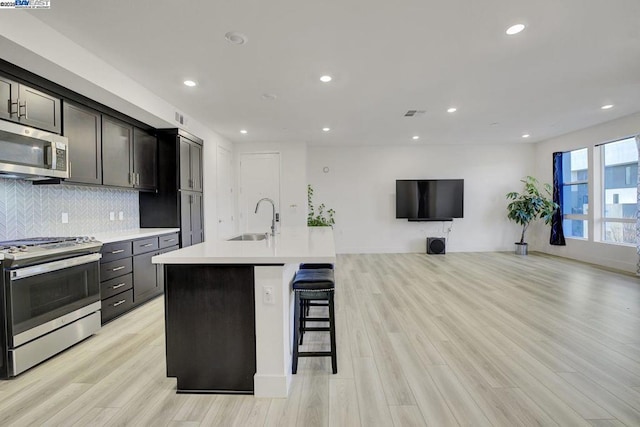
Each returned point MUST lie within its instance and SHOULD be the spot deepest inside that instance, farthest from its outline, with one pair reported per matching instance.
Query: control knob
(23, 248)
(13, 249)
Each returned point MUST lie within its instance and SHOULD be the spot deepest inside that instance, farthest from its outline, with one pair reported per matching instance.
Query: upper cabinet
(129, 155)
(145, 163)
(83, 127)
(29, 106)
(117, 145)
(190, 165)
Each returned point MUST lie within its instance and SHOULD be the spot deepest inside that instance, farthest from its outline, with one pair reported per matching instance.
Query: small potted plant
(528, 206)
(318, 218)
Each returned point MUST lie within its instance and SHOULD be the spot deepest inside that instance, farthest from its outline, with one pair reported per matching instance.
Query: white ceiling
(386, 57)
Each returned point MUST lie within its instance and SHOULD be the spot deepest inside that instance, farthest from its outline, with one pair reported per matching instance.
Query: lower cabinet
(128, 278)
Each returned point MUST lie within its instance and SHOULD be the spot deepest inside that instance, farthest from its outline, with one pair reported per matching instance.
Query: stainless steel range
(50, 298)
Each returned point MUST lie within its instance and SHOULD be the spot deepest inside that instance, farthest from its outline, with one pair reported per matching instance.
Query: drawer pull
(119, 251)
(147, 245)
(119, 285)
(122, 301)
(169, 240)
(118, 268)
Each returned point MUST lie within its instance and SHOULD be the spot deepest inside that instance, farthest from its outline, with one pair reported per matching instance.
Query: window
(575, 193)
(619, 195)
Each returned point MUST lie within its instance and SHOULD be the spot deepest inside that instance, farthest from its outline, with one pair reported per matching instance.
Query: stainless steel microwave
(32, 153)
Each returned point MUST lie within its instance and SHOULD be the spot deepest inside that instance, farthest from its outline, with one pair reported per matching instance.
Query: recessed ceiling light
(235, 37)
(515, 29)
(326, 79)
(190, 83)
(606, 107)
(526, 135)
(452, 110)
(243, 131)
(269, 97)
(326, 129)
(415, 137)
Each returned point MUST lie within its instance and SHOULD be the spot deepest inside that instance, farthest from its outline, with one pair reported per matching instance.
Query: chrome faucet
(273, 219)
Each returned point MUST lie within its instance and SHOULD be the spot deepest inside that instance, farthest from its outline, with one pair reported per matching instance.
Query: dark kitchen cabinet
(178, 201)
(83, 127)
(117, 140)
(129, 155)
(29, 106)
(128, 277)
(190, 165)
(191, 225)
(5, 98)
(145, 283)
(145, 164)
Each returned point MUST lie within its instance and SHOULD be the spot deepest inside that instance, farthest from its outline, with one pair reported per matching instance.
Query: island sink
(248, 236)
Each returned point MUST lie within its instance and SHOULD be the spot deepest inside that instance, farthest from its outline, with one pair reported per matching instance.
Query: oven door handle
(21, 273)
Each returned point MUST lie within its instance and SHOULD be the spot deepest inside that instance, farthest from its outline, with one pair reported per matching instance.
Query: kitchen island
(228, 310)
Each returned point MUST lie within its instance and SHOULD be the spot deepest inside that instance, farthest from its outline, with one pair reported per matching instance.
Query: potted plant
(318, 218)
(528, 206)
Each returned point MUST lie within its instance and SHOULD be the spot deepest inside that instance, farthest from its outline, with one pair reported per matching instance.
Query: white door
(225, 194)
(259, 178)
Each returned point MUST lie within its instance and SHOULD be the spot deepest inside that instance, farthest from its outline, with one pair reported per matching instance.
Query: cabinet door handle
(137, 178)
(118, 268)
(129, 178)
(169, 240)
(119, 285)
(119, 251)
(122, 301)
(25, 109)
(11, 107)
(147, 245)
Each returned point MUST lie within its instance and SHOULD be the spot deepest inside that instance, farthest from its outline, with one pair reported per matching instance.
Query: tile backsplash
(28, 210)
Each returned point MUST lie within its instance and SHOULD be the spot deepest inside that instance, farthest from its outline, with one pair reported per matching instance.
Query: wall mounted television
(429, 199)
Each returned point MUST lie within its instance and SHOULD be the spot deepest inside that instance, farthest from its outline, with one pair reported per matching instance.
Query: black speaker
(435, 245)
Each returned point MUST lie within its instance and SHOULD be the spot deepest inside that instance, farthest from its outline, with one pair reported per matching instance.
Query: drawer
(116, 305)
(116, 250)
(169, 240)
(112, 269)
(145, 245)
(116, 285)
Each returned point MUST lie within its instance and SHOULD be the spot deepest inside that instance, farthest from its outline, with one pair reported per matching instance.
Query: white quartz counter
(291, 245)
(136, 233)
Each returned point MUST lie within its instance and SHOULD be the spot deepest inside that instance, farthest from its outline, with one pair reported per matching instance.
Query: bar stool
(307, 304)
(313, 285)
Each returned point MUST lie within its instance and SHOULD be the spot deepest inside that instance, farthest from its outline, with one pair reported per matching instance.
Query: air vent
(179, 118)
(414, 113)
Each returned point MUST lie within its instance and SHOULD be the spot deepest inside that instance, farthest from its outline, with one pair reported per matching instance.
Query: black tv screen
(434, 199)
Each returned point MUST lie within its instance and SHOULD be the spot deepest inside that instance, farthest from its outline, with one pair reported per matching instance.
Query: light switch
(120, 215)
(112, 216)
(65, 217)
(267, 295)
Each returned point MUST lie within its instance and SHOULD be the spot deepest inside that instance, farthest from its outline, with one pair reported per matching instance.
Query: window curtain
(557, 235)
(638, 212)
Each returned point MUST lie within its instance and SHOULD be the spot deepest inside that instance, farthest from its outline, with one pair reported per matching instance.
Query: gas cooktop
(42, 249)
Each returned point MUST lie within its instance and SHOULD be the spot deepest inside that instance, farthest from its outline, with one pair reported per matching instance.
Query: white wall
(293, 177)
(27, 42)
(621, 257)
(360, 186)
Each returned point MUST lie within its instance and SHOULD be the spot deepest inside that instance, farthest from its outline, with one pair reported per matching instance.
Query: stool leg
(296, 326)
(303, 318)
(332, 332)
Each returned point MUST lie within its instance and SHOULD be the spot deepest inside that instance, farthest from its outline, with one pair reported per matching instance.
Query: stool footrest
(316, 319)
(314, 353)
(314, 329)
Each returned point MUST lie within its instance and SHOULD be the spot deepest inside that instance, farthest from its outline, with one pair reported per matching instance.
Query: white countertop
(135, 233)
(291, 245)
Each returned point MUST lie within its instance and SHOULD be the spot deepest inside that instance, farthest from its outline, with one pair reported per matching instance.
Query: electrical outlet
(112, 216)
(267, 295)
(65, 218)
(120, 215)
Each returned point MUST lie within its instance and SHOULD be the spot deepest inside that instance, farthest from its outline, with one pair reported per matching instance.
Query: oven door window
(35, 300)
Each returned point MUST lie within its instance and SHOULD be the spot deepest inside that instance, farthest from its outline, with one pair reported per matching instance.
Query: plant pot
(522, 248)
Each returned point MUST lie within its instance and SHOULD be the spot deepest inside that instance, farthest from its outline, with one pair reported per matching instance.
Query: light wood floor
(460, 339)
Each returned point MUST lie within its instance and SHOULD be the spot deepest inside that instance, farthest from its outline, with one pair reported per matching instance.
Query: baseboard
(271, 385)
